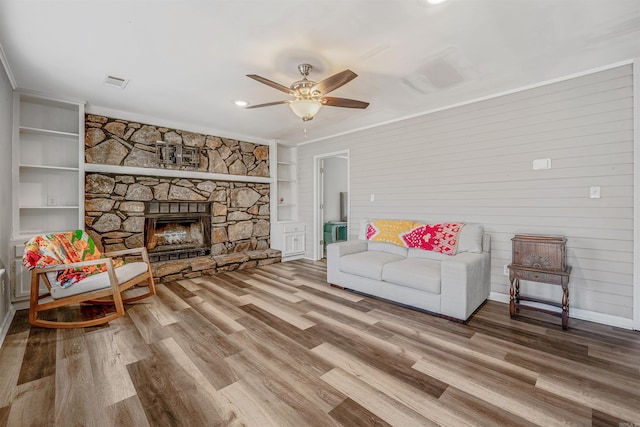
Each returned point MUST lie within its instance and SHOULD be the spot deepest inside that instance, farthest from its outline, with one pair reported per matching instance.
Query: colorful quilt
(47, 250)
(441, 238)
(390, 230)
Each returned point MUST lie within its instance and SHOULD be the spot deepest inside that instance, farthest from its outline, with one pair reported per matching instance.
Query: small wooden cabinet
(539, 259)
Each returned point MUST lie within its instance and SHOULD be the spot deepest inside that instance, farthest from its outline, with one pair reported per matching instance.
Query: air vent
(114, 81)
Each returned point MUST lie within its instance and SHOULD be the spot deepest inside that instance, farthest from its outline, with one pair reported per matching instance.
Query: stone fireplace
(177, 230)
(202, 218)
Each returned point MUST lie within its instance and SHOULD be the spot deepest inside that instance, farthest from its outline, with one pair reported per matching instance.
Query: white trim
(6, 323)
(7, 68)
(636, 194)
(474, 100)
(130, 170)
(190, 127)
(50, 97)
(577, 313)
(316, 194)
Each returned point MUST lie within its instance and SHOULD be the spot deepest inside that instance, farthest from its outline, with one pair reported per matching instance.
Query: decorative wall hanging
(170, 154)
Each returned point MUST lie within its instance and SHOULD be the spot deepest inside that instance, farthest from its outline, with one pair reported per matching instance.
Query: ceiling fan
(309, 96)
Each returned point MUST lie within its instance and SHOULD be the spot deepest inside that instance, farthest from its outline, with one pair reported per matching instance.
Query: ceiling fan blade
(334, 82)
(270, 83)
(268, 104)
(343, 102)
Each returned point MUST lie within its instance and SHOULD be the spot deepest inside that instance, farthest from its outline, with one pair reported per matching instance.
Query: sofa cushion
(471, 238)
(367, 264)
(421, 253)
(99, 281)
(418, 273)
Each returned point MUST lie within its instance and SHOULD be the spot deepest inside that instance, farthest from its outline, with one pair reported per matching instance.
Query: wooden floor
(276, 346)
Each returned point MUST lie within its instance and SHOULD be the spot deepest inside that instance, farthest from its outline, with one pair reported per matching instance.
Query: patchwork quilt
(441, 238)
(47, 250)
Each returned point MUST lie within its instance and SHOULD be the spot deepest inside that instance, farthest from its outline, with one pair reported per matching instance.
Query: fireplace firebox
(177, 230)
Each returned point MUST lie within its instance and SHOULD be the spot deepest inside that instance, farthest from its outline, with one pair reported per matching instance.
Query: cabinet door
(21, 280)
(298, 242)
(293, 243)
(289, 244)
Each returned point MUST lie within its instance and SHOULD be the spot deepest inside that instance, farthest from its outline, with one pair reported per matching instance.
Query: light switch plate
(539, 164)
(594, 192)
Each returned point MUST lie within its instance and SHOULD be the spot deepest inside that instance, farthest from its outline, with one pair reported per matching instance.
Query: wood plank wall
(474, 164)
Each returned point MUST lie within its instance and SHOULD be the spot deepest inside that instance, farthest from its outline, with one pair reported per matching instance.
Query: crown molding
(7, 68)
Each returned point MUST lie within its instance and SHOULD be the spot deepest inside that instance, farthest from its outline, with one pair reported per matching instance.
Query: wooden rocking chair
(105, 287)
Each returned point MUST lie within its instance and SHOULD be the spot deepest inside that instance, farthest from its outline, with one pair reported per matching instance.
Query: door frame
(318, 231)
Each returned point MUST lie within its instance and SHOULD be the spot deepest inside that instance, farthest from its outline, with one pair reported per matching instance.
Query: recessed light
(241, 103)
(435, 1)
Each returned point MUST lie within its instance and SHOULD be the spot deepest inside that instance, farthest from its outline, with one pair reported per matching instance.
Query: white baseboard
(6, 322)
(591, 316)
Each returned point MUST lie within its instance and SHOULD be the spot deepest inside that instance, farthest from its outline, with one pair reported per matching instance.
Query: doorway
(331, 200)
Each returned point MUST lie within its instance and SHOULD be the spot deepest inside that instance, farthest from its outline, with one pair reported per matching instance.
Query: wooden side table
(539, 259)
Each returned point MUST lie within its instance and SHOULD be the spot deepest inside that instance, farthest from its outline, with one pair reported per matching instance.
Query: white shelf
(50, 207)
(60, 168)
(286, 183)
(47, 164)
(173, 173)
(49, 132)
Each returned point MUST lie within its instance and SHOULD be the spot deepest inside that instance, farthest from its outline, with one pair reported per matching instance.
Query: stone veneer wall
(114, 203)
(111, 141)
(114, 218)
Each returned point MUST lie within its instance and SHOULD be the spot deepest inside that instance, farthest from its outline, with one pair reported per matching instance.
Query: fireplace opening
(177, 230)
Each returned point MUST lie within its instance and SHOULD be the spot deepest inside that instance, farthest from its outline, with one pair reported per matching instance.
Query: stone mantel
(173, 173)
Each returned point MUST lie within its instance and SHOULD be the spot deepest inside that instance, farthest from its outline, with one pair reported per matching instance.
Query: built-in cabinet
(48, 178)
(287, 234)
(289, 237)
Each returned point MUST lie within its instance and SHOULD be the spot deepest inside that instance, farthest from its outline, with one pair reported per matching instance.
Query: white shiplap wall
(473, 163)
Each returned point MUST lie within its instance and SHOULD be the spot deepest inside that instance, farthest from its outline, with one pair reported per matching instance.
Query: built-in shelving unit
(286, 196)
(48, 178)
(287, 234)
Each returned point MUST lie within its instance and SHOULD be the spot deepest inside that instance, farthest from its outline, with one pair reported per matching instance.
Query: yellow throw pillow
(390, 230)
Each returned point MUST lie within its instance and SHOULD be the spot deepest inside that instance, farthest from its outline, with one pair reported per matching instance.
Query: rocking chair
(74, 271)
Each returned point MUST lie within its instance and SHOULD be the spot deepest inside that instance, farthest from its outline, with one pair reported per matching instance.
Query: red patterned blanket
(441, 238)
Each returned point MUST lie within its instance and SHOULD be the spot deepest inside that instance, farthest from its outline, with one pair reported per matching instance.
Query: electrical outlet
(506, 270)
(51, 200)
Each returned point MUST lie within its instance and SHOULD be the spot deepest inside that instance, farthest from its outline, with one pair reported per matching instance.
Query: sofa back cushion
(470, 240)
(387, 247)
(421, 253)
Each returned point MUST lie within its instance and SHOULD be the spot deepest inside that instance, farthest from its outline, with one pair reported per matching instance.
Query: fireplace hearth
(177, 230)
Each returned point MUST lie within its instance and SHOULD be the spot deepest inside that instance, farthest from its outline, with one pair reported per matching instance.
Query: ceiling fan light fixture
(305, 108)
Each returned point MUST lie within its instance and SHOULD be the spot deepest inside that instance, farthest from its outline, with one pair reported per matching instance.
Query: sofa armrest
(337, 250)
(464, 284)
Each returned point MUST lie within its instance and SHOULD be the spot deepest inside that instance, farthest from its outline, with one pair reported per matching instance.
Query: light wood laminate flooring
(277, 346)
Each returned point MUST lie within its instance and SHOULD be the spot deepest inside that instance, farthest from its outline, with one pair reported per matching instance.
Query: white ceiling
(187, 60)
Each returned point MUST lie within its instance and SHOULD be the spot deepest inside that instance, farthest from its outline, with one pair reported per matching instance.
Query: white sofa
(453, 286)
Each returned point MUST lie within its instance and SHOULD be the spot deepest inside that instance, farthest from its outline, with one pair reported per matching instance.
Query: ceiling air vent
(114, 81)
